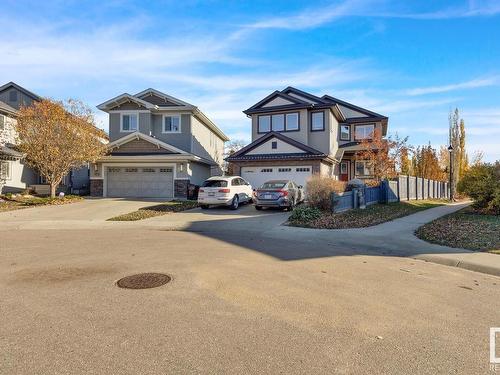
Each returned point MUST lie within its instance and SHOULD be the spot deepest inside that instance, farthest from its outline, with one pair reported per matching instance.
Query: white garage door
(147, 182)
(258, 175)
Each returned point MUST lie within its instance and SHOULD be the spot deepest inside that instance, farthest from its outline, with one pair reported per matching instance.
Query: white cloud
(475, 83)
(318, 16)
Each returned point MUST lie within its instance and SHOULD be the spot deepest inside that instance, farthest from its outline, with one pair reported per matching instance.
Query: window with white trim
(2, 122)
(4, 170)
(364, 168)
(284, 169)
(113, 170)
(292, 121)
(129, 122)
(149, 170)
(364, 131)
(131, 170)
(172, 124)
(302, 169)
(343, 167)
(266, 170)
(278, 122)
(345, 132)
(166, 170)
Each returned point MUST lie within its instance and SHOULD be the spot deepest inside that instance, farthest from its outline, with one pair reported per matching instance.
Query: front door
(344, 170)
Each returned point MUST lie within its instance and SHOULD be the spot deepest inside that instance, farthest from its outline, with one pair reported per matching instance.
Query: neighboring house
(158, 146)
(15, 175)
(296, 134)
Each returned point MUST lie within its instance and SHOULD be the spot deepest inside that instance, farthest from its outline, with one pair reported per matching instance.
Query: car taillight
(224, 190)
(283, 193)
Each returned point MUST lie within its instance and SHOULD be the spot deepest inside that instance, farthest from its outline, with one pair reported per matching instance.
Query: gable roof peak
(20, 88)
(167, 97)
(304, 94)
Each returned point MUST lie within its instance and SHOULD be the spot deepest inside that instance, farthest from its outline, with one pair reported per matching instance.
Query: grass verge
(466, 229)
(18, 202)
(156, 210)
(372, 215)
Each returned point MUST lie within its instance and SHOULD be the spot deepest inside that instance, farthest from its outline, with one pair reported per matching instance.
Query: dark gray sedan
(278, 193)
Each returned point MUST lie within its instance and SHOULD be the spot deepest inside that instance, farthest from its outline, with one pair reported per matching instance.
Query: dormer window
(129, 122)
(317, 121)
(172, 124)
(364, 131)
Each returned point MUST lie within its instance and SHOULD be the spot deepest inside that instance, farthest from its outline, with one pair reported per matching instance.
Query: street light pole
(450, 150)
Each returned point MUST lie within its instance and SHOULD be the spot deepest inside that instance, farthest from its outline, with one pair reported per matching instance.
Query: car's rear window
(273, 185)
(215, 183)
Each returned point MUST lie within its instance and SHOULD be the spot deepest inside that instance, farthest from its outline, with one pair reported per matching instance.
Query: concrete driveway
(93, 213)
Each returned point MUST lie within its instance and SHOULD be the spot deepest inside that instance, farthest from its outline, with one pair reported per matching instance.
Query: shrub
(305, 214)
(319, 190)
(482, 184)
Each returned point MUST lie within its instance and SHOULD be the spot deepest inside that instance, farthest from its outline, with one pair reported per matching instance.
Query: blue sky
(410, 60)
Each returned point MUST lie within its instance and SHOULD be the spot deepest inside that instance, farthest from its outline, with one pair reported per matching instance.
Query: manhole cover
(143, 281)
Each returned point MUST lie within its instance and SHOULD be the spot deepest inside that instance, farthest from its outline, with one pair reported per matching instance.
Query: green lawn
(372, 215)
(11, 203)
(466, 229)
(156, 210)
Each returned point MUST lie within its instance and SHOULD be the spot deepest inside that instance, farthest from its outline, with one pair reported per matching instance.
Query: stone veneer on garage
(96, 188)
(181, 188)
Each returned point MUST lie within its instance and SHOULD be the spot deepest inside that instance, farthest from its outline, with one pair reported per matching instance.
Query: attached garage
(258, 175)
(140, 182)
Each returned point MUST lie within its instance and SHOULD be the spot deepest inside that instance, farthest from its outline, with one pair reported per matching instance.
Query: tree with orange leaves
(57, 137)
(386, 156)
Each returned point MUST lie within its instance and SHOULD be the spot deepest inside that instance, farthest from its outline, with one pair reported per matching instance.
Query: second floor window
(13, 96)
(345, 132)
(292, 121)
(364, 131)
(264, 124)
(278, 122)
(172, 124)
(317, 121)
(129, 122)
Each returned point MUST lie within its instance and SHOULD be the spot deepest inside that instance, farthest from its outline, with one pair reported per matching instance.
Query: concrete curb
(477, 262)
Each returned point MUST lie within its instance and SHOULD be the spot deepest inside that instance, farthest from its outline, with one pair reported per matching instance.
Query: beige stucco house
(296, 134)
(158, 146)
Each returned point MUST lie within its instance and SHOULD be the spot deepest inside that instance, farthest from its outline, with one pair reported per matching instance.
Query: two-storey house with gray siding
(158, 146)
(296, 134)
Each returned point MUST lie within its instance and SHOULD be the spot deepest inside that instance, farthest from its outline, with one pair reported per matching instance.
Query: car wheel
(258, 208)
(204, 206)
(235, 203)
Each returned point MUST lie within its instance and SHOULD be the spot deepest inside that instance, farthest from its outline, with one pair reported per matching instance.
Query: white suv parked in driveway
(224, 190)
